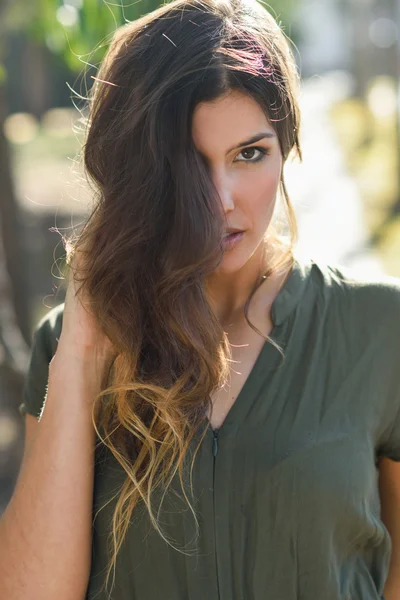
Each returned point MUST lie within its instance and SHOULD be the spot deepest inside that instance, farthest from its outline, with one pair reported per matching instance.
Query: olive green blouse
(286, 491)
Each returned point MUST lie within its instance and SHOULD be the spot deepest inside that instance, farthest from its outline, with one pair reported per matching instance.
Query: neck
(229, 292)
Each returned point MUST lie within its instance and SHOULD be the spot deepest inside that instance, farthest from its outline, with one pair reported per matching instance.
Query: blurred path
(327, 201)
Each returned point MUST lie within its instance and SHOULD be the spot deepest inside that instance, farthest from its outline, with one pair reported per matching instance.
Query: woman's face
(245, 173)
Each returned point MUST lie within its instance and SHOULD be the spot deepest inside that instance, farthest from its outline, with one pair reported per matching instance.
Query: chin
(233, 261)
(243, 254)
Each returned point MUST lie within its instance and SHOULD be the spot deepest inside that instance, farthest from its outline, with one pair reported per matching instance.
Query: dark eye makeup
(263, 152)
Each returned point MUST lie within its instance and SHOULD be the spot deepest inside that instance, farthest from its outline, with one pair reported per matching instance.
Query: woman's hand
(81, 335)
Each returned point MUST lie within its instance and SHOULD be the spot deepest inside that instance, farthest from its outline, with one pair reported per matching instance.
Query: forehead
(227, 121)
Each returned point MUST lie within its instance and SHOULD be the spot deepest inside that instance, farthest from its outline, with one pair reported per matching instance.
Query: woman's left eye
(250, 159)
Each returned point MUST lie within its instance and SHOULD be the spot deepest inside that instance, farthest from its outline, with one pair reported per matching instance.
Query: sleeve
(387, 370)
(44, 345)
(390, 447)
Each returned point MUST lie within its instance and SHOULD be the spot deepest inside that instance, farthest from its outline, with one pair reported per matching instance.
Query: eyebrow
(253, 139)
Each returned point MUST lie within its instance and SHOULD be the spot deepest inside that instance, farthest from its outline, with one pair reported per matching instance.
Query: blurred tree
(9, 214)
(14, 351)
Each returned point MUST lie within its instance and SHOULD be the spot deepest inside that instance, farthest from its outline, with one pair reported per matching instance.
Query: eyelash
(264, 152)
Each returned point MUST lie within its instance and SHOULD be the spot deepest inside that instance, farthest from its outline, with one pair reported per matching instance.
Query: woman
(240, 400)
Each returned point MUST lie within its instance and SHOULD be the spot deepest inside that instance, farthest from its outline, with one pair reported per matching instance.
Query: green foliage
(3, 74)
(80, 30)
(282, 11)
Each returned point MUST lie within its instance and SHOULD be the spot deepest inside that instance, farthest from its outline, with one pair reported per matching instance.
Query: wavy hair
(154, 234)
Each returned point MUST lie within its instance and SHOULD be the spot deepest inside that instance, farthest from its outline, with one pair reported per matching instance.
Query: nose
(224, 187)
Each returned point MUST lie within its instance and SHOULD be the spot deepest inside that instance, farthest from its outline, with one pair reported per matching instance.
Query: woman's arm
(46, 529)
(389, 489)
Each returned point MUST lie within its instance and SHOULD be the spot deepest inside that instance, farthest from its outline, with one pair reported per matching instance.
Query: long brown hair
(155, 230)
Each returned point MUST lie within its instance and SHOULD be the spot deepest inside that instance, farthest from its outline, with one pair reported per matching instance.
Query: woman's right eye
(262, 153)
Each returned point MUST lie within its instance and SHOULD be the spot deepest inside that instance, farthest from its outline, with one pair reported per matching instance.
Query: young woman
(221, 416)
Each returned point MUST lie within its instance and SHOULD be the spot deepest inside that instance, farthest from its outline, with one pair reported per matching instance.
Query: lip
(230, 240)
(230, 231)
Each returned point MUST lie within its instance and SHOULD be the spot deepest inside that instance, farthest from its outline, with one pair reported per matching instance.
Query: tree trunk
(11, 234)
(14, 351)
(14, 358)
(14, 316)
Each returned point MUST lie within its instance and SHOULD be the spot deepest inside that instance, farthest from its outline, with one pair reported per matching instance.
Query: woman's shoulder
(48, 328)
(46, 334)
(52, 318)
(353, 289)
(347, 304)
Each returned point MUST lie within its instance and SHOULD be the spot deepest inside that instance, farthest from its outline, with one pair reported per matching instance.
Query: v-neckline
(259, 368)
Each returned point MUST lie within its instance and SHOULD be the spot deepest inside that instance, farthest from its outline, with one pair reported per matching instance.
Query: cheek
(259, 192)
(264, 177)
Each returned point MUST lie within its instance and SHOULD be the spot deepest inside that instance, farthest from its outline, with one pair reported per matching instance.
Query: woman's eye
(249, 153)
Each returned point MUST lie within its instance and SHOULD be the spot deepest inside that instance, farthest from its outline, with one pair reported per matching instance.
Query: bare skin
(56, 476)
(246, 345)
(248, 192)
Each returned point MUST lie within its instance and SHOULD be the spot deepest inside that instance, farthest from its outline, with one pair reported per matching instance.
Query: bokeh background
(346, 192)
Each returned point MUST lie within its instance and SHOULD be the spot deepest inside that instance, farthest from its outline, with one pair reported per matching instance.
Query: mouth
(231, 239)
(233, 232)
